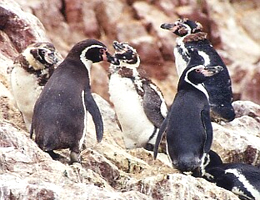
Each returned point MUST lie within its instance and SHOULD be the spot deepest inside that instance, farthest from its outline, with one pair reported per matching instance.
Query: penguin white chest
(129, 109)
(26, 91)
(180, 63)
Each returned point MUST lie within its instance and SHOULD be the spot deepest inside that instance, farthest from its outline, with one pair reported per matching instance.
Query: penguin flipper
(93, 109)
(153, 104)
(205, 117)
(159, 137)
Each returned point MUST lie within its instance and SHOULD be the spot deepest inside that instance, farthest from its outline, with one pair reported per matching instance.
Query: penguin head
(41, 55)
(214, 159)
(126, 54)
(198, 74)
(91, 50)
(183, 27)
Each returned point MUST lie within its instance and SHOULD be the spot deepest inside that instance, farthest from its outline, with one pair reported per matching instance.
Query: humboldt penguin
(59, 118)
(187, 125)
(138, 102)
(30, 72)
(240, 178)
(219, 87)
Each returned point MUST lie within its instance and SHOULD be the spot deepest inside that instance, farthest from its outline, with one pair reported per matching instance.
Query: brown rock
(231, 33)
(22, 28)
(250, 86)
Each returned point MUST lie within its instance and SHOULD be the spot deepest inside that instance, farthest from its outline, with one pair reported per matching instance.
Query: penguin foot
(149, 147)
(53, 155)
(74, 157)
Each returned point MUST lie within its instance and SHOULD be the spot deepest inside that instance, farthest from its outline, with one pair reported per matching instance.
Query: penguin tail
(159, 137)
(31, 132)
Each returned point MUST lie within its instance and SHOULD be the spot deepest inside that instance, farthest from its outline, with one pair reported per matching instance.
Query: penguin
(30, 72)
(187, 125)
(239, 178)
(190, 35)
(59, 117)
(139, 104)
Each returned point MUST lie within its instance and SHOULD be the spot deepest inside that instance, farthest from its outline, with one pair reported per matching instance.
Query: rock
(238, 141)
(247, 108)
(21, 27)
(232, 34)
(249, 87)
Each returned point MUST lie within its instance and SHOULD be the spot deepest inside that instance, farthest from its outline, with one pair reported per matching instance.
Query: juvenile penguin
(187, 125)
(30, 72)
(138, 102)
(59, 119)
(218, 87)
(239, 178)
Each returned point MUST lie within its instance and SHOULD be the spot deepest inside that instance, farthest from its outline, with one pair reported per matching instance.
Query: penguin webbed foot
(53, 155)
(149, 147)
(74, 157)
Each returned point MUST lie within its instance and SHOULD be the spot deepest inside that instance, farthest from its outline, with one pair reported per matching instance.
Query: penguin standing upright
(59, 119)
(139, 104)
(239, 178)
(30, 72)
(219, 87)
(187, 125)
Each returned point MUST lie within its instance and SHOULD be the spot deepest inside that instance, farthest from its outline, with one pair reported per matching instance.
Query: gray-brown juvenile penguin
(30, 72)
(138, 102)
(59, 119)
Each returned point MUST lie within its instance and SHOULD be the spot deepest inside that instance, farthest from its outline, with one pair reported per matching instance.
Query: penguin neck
(42, 74)
(125, 71)
(193, 37)
(186, 84)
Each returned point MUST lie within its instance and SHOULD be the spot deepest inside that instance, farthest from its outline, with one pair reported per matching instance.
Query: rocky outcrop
(108, 170)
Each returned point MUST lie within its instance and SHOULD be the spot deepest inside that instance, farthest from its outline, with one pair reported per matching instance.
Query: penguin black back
(59, 119)
(187, 125)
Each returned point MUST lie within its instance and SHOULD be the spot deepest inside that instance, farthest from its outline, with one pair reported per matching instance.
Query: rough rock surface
(108, 170)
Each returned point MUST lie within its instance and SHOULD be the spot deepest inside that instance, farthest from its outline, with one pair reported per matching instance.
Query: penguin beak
(119, 47)
(211, 70)
(51, 58)
(109, 58)
(171, 27)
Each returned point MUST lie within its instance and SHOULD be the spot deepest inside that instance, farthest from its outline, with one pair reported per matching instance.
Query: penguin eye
(102, 51)
(197, 70)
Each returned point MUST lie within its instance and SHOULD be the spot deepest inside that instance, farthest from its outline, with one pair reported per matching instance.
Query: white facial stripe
(85, 61)
(205, 57)
(246, 183)
(83, 58)
(188, 28)
(34, 63)
(130, 66)
(198, 86)
(93, 46)
(85, 120)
